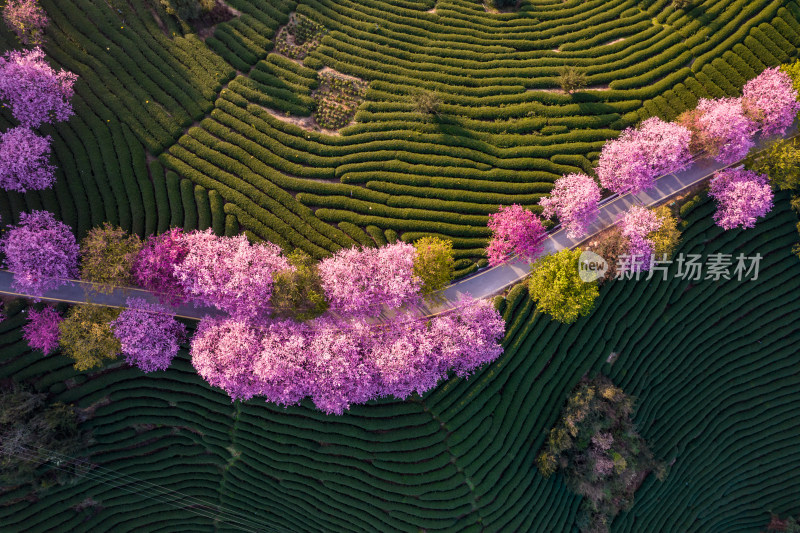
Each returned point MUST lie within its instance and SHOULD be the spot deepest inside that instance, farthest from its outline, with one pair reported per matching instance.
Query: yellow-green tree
(665, 238)
(86, 336)
(781, 162)
(107, 256)
(434, 263)
(557, 288)
(298, 293)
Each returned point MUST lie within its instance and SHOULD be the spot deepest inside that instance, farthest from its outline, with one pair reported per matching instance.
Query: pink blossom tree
(223, 351)
(41, 332)
(515, 230)
(742, 197)
(635, 224)
(149, 336)
(574, 200)
(24, 161)
(27, 19)
(229, 272)
(154, 265)
(771, 100)
(721, 128)
(36, 92)
(338, 363)
(41, 252)
(631, 162)
(359, 281)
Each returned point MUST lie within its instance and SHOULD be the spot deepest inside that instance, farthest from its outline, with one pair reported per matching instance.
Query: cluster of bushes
(603, 457)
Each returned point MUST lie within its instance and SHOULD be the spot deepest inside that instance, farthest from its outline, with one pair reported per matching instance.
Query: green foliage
(667, 237)
(597, 445)
(571, 79)
(298, 293)
(34, 437)
(557, 288)
(86, 335)
(681, 4)
(434, 263)
(780, 161)
(107, 255)
(427, 103)
(188, 9)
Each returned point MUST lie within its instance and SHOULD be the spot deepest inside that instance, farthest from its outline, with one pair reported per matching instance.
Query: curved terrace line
(483, 284)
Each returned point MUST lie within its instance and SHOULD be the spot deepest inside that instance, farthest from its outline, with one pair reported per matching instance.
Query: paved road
(483, 284)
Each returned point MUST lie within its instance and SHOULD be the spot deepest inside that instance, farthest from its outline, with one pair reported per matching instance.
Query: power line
(146, 488)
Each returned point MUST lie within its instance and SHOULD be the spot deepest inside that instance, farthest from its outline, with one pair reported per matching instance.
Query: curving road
(483, 284)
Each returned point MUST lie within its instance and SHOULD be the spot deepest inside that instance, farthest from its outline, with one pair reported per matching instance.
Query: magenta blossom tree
(25, 161)
(41, 331)
(154, 266)
(224, 350)
(229, 272)
(281, 367)
(515, 230)
(149, 335)
(574, 200)
(727, 128)
(36, 92)
(358, 281)
(631, 162)
(41, 252)
(27, 19)
(771, 100)
(635, 224)
(742, 197)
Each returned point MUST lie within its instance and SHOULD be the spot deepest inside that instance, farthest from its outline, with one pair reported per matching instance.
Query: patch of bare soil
(307, 123)
(614, 41)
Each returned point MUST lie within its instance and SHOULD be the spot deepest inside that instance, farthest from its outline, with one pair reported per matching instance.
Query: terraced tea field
(171, 130)
(713, 365)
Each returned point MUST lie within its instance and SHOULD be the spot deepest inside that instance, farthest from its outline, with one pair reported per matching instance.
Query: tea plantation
(713, 365)
(215, 130)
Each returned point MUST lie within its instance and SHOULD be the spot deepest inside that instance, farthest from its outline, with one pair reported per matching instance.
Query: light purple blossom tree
(631, 162)
(41, 332)
(27, 19)
(224, 350)
(515, 230)
(722, 128)
(339, 363)
(24, 161)
(41, 252)
(771, 100)
(635, 224)
(36, 92)
(229, 272)
(742, 197)
(574, 200)
(149, 335)
(359, 281)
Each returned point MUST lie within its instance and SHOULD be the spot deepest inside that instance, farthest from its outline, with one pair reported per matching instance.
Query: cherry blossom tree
(515, 230)
(229, 272)
(25, 161)
(149, 336)
(41, 252)
(41, 331)
(721, 128)
(359, 281)
(338, 363)
(636, 224)
(771, 100)
(574, 200)
(631, 162)
(27, 19)
(742, 197)
(223, 351)
(36, 92)
(154, 265)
